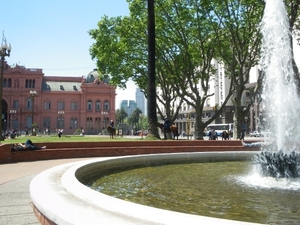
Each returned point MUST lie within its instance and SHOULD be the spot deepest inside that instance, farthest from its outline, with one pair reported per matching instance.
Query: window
(30, 83)
(47, 105)
(89, 123)
(98, 124)
(74, 106)
(16, 104)
(98, 106)
(29, 103)
(106, 106)
(74, 123)
(9, 82)
(60, 122)
(47, 122)
(89, 106)
(60, 105)
(6, 82)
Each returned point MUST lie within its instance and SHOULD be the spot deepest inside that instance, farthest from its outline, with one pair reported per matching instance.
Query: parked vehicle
(255, 134)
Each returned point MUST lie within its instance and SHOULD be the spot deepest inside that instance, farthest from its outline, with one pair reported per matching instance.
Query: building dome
(94, 75)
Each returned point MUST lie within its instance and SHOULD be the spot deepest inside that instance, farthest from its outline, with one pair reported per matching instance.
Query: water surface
(208, 189)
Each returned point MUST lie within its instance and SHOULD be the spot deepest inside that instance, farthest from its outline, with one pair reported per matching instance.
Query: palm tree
(152, 116)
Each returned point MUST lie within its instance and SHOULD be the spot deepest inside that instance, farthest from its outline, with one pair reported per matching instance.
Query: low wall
(62, 150)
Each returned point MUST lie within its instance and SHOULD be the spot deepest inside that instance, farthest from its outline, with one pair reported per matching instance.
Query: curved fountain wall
(59, 198)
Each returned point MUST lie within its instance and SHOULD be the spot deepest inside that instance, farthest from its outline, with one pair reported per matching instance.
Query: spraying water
(280, 101)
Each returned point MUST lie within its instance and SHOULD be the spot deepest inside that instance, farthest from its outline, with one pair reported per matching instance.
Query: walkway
(15, 201)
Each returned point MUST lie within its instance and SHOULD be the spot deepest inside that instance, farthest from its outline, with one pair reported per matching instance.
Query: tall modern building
(140, 100)
(128, 105)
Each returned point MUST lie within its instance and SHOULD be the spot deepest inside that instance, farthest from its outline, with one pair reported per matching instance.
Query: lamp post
(104, 114)
(33, 94)
(4, 51)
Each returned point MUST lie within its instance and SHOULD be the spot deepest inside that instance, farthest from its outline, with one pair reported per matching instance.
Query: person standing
(242, 135)
(59, 132)
(167, 124)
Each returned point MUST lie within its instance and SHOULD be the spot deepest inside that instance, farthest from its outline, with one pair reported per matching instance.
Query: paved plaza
(15, 201)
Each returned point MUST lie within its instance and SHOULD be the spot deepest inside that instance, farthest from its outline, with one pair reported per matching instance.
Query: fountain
(59, 198)
(280, 99)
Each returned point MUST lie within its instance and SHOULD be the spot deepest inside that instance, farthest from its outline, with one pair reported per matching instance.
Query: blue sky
(52, 35)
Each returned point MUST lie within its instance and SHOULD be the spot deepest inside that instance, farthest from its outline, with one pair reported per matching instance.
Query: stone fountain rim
(58, 195)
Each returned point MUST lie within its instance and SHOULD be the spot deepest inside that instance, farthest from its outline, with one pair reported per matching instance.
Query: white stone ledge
(60, 197)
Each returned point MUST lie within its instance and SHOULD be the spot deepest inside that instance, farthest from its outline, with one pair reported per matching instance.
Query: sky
(53, 35)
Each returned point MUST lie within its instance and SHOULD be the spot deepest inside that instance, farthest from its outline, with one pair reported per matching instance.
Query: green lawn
(68, 138)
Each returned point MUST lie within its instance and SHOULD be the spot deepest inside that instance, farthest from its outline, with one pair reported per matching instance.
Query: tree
(151, 84)
(238, 41)
(120, 115)
(134, 118)
(188, 35)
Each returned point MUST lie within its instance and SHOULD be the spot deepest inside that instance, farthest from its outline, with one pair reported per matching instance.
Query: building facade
(140, 100)
(129, 106)
(32, 101)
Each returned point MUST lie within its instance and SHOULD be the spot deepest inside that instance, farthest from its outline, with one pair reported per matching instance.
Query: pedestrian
(59, 132)
(242, 135)
(82, 132)
(213, 135)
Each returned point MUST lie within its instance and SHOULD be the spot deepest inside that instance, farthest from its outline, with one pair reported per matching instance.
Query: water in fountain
(280, 100)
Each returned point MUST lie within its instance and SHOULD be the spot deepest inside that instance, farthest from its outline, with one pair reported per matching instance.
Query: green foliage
(189, 35)
(120, 115)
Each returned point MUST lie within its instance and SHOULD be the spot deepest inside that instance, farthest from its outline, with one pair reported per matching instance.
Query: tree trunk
(152, 117)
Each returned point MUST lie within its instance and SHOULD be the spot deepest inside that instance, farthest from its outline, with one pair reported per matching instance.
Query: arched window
(60, 105)
(74, 105)
(29, 103)
(98, 106)
(89, 105)
(47, 122)
(60, 122)
(98, 124)
(47, 104)
(106, 106)
(74, 123)
(89, 123)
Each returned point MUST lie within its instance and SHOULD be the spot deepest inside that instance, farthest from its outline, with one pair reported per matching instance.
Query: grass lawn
(68, 138)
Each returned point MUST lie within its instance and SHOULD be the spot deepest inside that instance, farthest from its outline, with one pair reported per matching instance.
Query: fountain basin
(59, 198)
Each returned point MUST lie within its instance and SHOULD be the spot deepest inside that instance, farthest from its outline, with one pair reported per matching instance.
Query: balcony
(28, 110)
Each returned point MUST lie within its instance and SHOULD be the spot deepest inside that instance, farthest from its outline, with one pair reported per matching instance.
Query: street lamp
(4, 51)
(104, 114)
(32, 94)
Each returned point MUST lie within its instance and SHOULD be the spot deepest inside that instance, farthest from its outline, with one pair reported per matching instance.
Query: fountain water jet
(280, 100)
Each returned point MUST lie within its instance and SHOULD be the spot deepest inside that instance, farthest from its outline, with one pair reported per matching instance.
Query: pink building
(67, 103)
